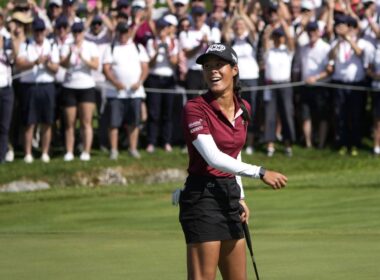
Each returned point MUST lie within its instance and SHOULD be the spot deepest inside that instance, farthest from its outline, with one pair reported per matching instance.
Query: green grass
(324, 225)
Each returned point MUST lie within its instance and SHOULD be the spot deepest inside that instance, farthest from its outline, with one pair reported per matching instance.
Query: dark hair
(237, 92)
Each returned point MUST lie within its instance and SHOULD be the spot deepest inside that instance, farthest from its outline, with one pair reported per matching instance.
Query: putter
(249, 244)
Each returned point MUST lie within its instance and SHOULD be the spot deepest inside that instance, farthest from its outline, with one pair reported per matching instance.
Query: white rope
(181, 91)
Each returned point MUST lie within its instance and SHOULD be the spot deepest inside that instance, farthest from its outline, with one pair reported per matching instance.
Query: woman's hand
(274, 179)
(244, 216)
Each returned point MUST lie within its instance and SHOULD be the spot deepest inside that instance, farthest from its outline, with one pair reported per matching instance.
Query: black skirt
(209, 209)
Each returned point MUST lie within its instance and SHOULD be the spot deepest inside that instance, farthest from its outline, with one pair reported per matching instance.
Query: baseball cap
(22, 17)
(138, 3)
(198, 10)
(122, 27)
(183, 2)
(97, 19)
(123, 3)
(38, 24)
(307, 5)
(352, 22)
(77, 27)
(312, 26)
(272, 7)
(161, 23)
(220, 50)
(55, 2)
(278, 32)
(61, 21)
(68, 2)
(171, 19)
(340, 19)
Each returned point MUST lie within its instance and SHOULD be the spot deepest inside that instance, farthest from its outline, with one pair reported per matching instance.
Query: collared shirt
(191, 39)
(202, 115)
(31, 51)
(349, 67)
(314, 58)
(278, 64)
(126, 65)
(246, 53)
(79, 74)
(162, 67)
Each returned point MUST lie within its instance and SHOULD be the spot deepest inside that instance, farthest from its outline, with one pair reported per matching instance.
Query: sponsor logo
(216, 48)
(196, 123)
(196, 129)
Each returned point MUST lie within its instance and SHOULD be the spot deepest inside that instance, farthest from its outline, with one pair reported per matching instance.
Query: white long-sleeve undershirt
(215, 158)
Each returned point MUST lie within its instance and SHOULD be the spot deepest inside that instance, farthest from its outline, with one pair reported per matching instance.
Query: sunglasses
(62, 27)
(179, 5)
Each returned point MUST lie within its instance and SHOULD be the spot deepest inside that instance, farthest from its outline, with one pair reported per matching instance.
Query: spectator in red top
(215, 128)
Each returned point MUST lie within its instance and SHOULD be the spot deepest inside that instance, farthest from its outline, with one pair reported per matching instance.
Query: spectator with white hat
(178, 7)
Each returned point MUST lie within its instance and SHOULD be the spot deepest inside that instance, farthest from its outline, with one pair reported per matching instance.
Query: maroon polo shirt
(202, 115)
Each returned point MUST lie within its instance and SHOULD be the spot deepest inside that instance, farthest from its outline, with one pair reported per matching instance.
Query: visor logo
(216, 48)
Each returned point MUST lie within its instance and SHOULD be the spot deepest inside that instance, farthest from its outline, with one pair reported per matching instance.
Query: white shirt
(246, 53)
(126, 65)
(102, 41)
(60, 75)
(32, 51)
(278, 64)
(376, 67)
(314, 59)
(348, 66)
(163, 66)
(191, 39)
(4, 32)
(78, 75)
(367, 32)
(5, 68)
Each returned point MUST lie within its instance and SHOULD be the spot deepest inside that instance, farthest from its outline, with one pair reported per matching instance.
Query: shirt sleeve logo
(195, 126)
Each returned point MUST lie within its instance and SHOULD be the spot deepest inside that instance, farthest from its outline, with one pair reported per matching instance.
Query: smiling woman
(215, 128)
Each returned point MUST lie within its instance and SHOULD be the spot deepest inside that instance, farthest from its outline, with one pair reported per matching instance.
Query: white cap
(172, 19)
(307, 4)
(139, 3)
(56, 2)
(184, 2)
(368, 1)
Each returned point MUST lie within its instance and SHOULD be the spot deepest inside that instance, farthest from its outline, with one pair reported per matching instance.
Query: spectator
(6, 95)
(163, 54)
(279, 57)
(346, 61)
(78, 92)
(69, 10)
(315, 101)
(100, 33)
(125, 66)
(178, 8)
(369, 25)
(244, 42)
(40, 59)
(374, 73)
(142, 21)
(54, 10)
(193, 43)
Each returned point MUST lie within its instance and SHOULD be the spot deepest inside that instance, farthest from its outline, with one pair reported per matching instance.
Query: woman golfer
(215, 127)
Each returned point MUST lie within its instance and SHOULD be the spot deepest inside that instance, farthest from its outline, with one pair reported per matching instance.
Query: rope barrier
(181, 91)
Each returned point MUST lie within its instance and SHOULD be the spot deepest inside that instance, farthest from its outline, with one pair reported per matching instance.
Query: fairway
(324, 225)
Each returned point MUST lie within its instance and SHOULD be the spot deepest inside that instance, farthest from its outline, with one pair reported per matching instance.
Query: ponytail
(237, 92)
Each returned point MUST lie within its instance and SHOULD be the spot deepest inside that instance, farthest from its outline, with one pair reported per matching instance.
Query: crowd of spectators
(309, 68)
